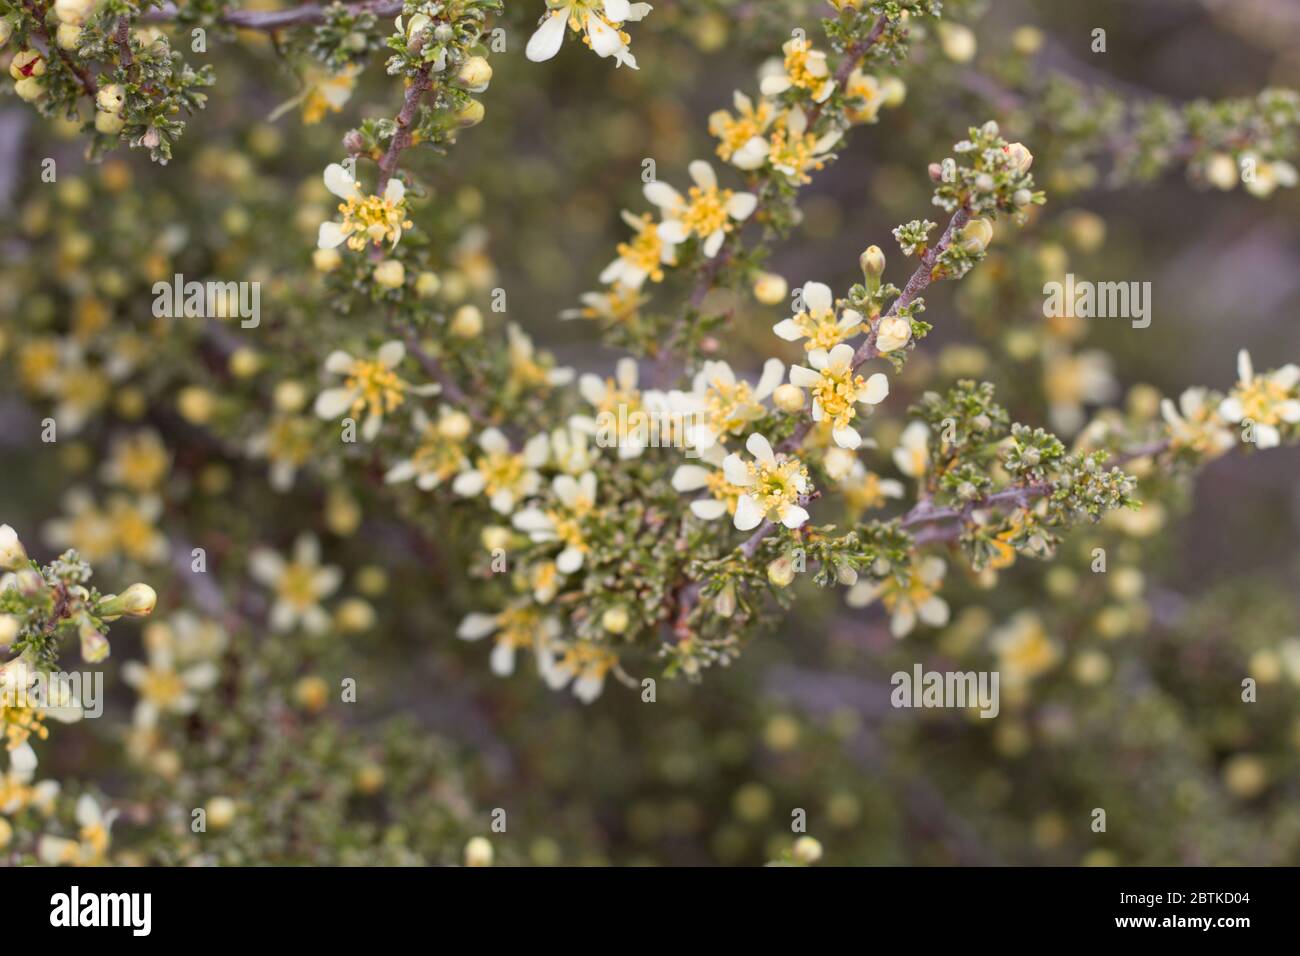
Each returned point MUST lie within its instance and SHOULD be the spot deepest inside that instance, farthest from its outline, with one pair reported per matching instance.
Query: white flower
(817, 322)
(371, 386)
(623, 413)
(837, 391)
(1194, 424)
(514, 628)
(365, 218)
(299, 585)
(720, 405)
(1265, 401)
(741, 138)
(440, 453)
(526, 369)
(794, 151)
(803, 68)
(1070, 381)
(504, 476)
(707, 212)
(600, 19)
(577, 496)
(907, 600)
(641, 258)
(912, 456)
(164, 689)
(582, 662)
(772, 486)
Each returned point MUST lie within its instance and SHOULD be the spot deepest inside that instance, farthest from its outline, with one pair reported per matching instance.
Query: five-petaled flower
(707, 211)
(600, 22)
(772, 485)
(837, 391)
(366, 218)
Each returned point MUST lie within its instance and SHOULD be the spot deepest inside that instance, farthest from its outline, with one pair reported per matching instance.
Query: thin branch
(279, 19)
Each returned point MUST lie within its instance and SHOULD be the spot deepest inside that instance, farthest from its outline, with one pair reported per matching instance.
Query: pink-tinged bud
(1020, 156)
(136, 601)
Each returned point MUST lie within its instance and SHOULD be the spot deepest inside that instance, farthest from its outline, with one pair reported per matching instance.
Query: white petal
(545, 43)
(742, 205)
(760, 448)
(331, 235)
(502, 659)
(569, 561)
(847, 437)
(876, 390)
(788, 329)
(493, 441)
(340, 182)
(708, 509)
(736, 471)
(794, 517)
(468, 483)
(690, 477)
(662, 195)
(803, 377)
(702, 174)
(748, 516)
(817, 297)
(391, 354)
(333, 402)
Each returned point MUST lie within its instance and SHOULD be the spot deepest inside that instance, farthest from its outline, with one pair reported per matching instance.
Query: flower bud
(1022, 197)
(220, 812)
(467, 323)
(370, 778)
(770, 288)
(110, 124)
(73, 11)
(311, 693)
(976, 235)
(12, 554)
(495, 537)
(471, 114)
(872, 262)
(958, 42)
(807, 850)
(781, 572)
(892, 333)
(416, 24)
(788, 398)
(478, 852)
(615, 619)
(427, 285)
(26, 64)
(244, 363)
(475, 74)
(9, 628)
(838, 462)
(30, 90)
(6, 30)
(30, 582)
(1020, 156)
(68, 36)
(724, 605)
(390, 274)
(454, 425)
(326, 260)
(151, 138)
(892, 91)
(289, 396)
(136, 601)
(353, 142)
(195, 404)
(111, 98)
(1221, 171)
(1027, 40)
(94, 645)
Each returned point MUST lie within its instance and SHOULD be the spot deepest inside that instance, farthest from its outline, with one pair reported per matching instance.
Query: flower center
(777, 485)
(374, 218)
(378, 387)
(645, 250)
(501, 471)
(837, 392)
(706, 212)
(1259, 399)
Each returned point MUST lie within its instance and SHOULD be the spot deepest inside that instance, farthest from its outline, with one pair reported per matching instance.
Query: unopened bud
(475, 74)
(770, 288)
(893, 333)
(454, 425)
(781, 572)
(94, 645)
(26, 64)
(471, 114)
(789, 398)
(390, 274)
(354, 142)
(977, 235)
(136, 601)
(724, 605)
(1020, 156)
(111, 98)
(478, 852)
(467, 323)
(12, 554)
(427, 285)
(615, 619)
(872, 262)
(9, 628)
